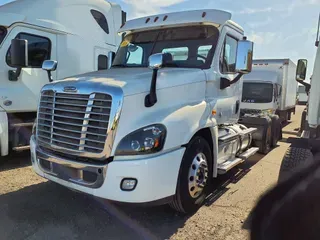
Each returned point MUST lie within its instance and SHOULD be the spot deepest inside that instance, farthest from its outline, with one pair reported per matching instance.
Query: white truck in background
(304, 150)
(78, 33)
(160, 124)
(271, 88)
(302, 95)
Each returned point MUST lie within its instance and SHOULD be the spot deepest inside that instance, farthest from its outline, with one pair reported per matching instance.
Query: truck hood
(137, 80)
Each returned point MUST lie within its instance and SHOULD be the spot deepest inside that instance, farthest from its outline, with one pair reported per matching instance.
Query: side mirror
(111, 56)
(49, 66)
(301, 72)
(19, 57)
(244, 57)
(19, 53)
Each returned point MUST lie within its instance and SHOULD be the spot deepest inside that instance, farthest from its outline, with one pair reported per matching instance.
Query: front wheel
(195, 177)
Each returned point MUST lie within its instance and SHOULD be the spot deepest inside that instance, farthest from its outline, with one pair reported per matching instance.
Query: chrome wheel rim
(198, 175)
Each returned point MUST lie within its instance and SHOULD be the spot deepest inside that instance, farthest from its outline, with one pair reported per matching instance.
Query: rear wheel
(266, 140)
(195, 177)
(276, 130)
(294, 159)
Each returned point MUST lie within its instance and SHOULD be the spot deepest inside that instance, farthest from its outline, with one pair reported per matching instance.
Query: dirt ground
(32, 208)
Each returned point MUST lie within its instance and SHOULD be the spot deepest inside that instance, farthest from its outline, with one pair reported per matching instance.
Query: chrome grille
(78, 122)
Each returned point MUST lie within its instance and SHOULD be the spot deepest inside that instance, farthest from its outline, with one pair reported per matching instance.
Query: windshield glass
(257, 92)
(189, 47)
(3, 32)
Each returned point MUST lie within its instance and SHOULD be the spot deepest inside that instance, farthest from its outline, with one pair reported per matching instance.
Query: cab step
(228, 165)
(250, 152)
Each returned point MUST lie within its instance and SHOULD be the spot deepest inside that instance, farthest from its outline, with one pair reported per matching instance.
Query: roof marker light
(204, 14)
(165, 17)
(156, 19)
(148, 19)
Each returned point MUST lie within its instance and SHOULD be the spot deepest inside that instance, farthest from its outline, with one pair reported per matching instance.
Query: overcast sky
(279, 28)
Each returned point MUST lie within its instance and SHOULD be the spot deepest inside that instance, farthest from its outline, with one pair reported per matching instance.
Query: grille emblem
(70, 89)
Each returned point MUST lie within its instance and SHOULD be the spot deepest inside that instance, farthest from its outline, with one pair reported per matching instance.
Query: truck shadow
(50, 211)
(47, 210)
(220, 186)
(15, 161)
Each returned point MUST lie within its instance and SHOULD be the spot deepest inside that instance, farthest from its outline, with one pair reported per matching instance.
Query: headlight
(143, 141)
(268, 111)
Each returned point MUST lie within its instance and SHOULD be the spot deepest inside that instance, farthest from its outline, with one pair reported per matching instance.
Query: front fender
(183, 115)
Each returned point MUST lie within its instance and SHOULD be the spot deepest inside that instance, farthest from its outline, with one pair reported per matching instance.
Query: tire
(303, 125)
(266, 142)
(276, 130)
(294, 159)
(186, 199)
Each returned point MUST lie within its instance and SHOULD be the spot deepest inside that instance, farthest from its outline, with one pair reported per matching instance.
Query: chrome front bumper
(81, 173)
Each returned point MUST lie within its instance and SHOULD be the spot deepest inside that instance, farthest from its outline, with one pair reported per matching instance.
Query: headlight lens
(143, 141)
(268, 111)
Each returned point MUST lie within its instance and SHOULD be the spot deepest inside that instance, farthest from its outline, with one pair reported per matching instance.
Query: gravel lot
(32, 208)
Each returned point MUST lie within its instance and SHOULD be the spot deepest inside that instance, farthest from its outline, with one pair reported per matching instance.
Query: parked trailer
(154, 135)
(78, 33)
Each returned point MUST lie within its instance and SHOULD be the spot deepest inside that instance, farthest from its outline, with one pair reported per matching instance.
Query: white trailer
(270, 87)
(159, 125)
(78, 33)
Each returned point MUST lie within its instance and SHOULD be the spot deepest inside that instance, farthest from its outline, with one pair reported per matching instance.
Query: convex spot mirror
(49, 65)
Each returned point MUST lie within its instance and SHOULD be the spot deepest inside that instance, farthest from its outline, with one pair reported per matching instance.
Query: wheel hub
(198, 175)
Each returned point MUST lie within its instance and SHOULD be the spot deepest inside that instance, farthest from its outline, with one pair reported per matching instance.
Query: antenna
(317, 40)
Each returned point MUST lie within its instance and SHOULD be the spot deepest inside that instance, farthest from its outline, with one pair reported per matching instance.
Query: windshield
(190, 47)
(3, 32)
(257, 92)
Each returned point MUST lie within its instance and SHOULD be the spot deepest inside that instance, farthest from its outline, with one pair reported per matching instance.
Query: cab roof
(194, 17)
(53, 14)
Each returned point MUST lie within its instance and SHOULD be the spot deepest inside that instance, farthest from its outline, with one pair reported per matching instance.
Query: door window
(229, 55)
(39, 50)
(102, 62)
(3, 32)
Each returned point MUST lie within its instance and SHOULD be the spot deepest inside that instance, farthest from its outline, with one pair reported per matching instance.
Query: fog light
(128, 184)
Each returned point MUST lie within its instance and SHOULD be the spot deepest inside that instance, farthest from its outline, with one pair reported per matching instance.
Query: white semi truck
(159, 125)
(304, 150)
(271, 88)
(78, 33)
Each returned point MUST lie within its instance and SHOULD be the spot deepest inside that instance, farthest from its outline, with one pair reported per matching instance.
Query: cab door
(21, 94)
(225, 102)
